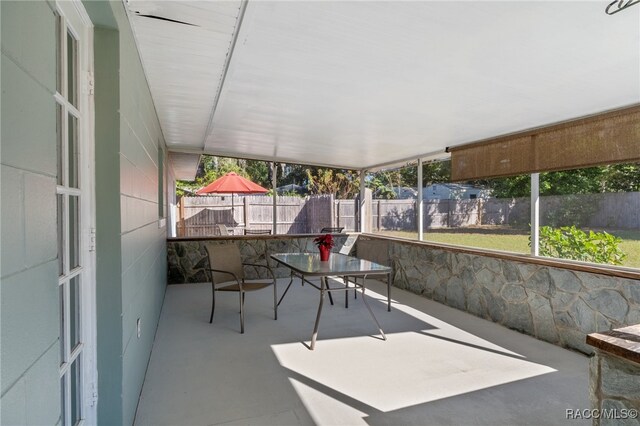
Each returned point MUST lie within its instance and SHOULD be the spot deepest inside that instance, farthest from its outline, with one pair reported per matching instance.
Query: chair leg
(275, 301)
(213, 303)
(242, 312)
(346, 292)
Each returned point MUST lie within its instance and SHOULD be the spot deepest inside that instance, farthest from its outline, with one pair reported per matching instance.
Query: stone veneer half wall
(187, 257)
(614, 387)
(558, 305)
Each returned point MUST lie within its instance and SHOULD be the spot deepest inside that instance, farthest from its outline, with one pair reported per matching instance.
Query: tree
(383, 182)
(621, 178)
(258, 172)
(210, 169)
(589, 180)
(340, 183)
(610, 178)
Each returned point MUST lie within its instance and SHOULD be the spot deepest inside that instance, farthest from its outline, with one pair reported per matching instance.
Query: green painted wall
(142, 239)
(29, 273)
(108, 250)
(130, 244)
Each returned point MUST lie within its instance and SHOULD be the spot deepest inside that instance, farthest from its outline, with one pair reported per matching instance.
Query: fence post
(181, 219)
(420, 203)
(535, 214)
(332, 211)
(274, 184)
(379, 221)
(368, 210)
(246, 212)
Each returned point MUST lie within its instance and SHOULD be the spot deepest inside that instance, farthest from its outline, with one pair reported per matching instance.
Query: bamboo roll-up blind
(608, 138)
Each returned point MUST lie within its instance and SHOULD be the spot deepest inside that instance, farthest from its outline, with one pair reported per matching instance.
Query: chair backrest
(375, 251)
(225, 257)
(257, 231)
(222, 229)
(348, 245)
(333, 230)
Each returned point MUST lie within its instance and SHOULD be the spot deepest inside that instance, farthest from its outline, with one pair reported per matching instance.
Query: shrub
(572, 243)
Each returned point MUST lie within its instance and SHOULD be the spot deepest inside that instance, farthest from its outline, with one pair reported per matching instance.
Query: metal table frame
(309, 265)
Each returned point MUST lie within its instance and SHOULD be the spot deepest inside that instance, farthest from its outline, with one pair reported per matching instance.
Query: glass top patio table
(309, 264)
(338, 264)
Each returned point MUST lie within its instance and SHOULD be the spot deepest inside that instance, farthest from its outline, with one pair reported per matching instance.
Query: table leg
(364, 298)
(389, 292)
(346, 292)
(285, 290)
(315, 326)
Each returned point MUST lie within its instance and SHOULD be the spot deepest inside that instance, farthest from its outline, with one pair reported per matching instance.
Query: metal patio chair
(332, 230)
(222, 229)
(227, 274)
(257, 232)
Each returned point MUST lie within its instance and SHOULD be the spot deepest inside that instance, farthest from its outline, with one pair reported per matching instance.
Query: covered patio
(439, 365)
(106, 104)
(375, 86)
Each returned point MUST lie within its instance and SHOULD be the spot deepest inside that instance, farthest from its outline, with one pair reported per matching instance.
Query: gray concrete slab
(439, 366)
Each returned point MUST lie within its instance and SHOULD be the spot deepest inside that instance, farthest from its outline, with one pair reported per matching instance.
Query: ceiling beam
(227, 61)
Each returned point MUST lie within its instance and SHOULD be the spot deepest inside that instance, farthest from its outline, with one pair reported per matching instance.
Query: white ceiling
(357, 84)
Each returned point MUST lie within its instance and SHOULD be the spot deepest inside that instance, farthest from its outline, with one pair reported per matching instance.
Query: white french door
(75, 213)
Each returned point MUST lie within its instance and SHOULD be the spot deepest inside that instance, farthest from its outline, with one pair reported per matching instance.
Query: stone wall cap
(255, 237)
(623, 342)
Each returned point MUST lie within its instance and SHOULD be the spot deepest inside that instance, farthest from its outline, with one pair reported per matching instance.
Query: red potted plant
(324, 243)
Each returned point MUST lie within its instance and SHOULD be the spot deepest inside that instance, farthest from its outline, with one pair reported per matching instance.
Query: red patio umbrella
(232, 183)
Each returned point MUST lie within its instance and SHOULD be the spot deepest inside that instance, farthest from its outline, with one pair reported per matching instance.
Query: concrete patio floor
(439, 365)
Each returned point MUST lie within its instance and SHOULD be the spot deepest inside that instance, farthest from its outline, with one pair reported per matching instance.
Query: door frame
(78, 21)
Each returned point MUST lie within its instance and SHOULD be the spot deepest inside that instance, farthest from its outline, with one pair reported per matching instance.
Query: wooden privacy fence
(198, 216)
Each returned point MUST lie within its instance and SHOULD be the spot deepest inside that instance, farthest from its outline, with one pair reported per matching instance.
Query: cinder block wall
(30, 383)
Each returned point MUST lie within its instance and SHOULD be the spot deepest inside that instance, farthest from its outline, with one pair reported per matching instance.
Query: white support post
(363, 214)
(535, 213)
(420, 203)
(274, 180)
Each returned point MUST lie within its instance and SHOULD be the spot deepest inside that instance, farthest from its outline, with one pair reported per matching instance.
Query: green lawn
(497, 238)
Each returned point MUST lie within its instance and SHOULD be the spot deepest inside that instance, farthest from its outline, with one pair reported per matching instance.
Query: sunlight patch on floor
(441, 328)
(408, 369)
(325, 410)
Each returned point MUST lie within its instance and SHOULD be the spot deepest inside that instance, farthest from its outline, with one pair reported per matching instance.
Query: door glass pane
(63, 409)
(60, 209)
(62, 323)
(60, 148)
(72, 77)
(73, 151)
(58, 54)
(74, 311)
(75, 392)
(74, 234)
